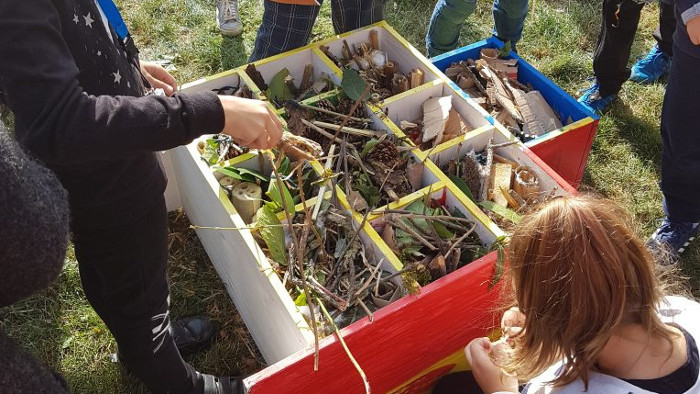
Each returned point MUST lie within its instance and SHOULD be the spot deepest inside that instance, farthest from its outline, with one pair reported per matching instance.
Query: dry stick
(322, 189)
(321, 131)
(459, 241)
(368, 390)
(300, 262)
(195, 227)
(346, 130)
(412, 233)
(324, 255)
(416, 216)
(329, 112)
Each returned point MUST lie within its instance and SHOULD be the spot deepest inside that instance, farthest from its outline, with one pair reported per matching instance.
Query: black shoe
(222, 385)
(193, 334)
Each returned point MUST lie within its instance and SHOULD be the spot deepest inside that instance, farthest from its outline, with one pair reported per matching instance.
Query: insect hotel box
(565, 148)
(394, 230)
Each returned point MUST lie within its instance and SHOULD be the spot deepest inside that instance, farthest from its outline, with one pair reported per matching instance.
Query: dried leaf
(272, 233)
(499, 245)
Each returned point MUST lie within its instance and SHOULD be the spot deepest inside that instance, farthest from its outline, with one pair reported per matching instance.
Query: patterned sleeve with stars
(74, 93)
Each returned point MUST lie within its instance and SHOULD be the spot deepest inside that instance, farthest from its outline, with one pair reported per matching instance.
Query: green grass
(60, 327)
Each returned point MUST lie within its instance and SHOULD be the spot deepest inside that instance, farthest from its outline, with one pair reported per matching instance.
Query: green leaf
(369, 146)
(285, 166)
(369, 192)
(462, 185)
(301, 300)
(353, 85)
(256, 174)
(274, 193)
(277, 89)
(505, 50)
(503, 212)
(272, 233)
(211, 152)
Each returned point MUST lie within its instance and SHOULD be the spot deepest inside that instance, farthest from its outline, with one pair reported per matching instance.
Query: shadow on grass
(233, 52)
(643, 135)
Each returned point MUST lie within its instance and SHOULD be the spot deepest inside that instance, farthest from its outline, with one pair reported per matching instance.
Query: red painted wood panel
(567, 153)
(405, 338)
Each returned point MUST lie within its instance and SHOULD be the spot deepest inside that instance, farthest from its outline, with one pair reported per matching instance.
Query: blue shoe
(674, 236)
(592, 100)
(651, 67)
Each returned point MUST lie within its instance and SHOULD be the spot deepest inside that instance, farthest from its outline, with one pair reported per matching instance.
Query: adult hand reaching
(159, 78)
(251, 122)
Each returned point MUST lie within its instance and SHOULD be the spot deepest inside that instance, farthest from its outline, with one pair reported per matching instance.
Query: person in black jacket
(33, 211)
(75, 84)
(680, 131)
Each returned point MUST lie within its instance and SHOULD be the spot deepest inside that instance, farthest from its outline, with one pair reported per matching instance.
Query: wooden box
(566, 149)
(409, 343)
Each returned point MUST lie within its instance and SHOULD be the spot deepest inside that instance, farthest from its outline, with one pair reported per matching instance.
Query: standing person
(227, 18)
(448, 16)
(287, 24)
(680, 131)
(591, 314)
(33, 211)
(617, 30)
(71, 75)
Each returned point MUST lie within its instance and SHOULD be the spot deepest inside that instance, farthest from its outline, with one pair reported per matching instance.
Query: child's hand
(159, 78)
(693, 27)
(251, 122)
(512, 322)
(488, 375)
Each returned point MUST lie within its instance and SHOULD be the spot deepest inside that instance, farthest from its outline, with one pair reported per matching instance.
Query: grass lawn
(60, 327)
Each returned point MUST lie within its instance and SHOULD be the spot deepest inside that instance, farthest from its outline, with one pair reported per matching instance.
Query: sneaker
(227, 17)
(592, 100)
(674, 236)
(651, 67)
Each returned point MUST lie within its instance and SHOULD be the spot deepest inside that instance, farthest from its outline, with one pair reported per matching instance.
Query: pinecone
(384, 154)
(326, 104)
(471, 173)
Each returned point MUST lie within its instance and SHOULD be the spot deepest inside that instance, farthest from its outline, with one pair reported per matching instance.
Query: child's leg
(667, 26)
(445, 24)
(680, 130)
(123, 271)
(509, 19)
(615, 43)
(353, 14)
(284, 27)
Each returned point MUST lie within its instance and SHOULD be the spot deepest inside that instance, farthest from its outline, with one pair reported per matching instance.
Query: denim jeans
(448, 16)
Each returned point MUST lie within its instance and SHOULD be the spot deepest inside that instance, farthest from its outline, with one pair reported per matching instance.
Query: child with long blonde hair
(591, 314)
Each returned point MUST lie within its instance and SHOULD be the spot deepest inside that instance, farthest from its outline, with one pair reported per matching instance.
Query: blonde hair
(579, 272)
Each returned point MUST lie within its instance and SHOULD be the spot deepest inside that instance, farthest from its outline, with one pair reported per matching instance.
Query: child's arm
(60, 123)
(690, 10)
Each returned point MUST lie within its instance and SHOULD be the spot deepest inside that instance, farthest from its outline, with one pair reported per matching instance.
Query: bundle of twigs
(430, 241)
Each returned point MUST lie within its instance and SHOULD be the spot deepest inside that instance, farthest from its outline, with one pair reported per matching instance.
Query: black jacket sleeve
(61, 123)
